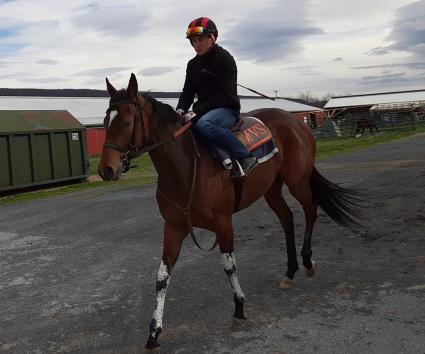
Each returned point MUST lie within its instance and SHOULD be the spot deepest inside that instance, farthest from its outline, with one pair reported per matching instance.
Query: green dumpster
(41, 147)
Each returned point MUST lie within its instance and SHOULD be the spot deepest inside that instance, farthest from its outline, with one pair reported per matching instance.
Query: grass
(337, 146)
(143, 172)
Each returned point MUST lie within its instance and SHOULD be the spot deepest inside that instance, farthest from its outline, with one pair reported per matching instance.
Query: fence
(358, 123)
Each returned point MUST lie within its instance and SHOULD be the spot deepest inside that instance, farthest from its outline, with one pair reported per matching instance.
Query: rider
(212, 76)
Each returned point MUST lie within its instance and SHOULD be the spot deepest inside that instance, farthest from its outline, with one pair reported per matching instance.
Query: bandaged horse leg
(162, 282)
(173, 238)
(229, 264)
(224, 232)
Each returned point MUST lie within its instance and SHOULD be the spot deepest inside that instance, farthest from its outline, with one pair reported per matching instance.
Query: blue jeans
(215, 127)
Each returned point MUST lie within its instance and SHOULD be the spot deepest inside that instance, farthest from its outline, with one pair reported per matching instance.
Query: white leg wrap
(163, 280)
(229, 265)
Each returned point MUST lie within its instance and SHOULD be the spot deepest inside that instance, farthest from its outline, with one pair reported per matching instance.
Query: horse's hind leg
(224, 233)
(277, 203)
(302, 192)
(173, 239)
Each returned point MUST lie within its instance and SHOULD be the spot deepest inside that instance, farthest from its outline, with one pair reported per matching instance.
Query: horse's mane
(164, 112)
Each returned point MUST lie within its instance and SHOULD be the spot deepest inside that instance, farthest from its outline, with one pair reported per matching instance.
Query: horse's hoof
(153, 348)
(312, 271)
(287, 283)
(241, 318)
(152, 344)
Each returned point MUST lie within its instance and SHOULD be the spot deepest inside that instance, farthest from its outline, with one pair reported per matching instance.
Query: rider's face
(202, 44)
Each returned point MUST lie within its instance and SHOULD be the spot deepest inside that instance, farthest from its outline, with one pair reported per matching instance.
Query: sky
(284, 47)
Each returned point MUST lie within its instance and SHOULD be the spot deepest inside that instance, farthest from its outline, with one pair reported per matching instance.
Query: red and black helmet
(200, 26)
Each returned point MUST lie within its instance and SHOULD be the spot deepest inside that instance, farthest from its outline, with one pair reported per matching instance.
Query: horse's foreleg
(225, 241)
(173, 239)
(229, 265)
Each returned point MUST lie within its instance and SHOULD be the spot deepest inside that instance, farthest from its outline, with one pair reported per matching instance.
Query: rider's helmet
(200, 26)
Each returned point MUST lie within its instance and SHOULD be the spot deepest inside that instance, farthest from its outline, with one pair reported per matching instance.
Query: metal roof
(373, 99)
(24, 121)
(398, 106)
(91, 110)
(87, 110)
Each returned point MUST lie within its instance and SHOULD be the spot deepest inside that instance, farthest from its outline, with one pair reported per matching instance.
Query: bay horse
(193, 189)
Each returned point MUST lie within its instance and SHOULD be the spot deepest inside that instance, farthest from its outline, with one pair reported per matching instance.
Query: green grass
(337, 146)
(144, 173)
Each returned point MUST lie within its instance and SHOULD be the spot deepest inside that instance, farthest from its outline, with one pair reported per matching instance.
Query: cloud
(266, 35)
(12, 76)
(157, 70)
(387, 79)
(378, 51)
(417, 66)
(408, 31)
(42, 80)
(5, 63)
(128, 21)
(47, 62)
(102, 72)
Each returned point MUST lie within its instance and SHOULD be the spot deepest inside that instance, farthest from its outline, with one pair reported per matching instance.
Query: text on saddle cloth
(252, 132)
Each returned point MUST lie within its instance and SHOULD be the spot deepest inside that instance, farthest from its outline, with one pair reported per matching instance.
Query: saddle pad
(255, 135)
(252, 132)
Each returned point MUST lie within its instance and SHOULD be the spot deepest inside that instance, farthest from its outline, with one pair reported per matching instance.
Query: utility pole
(275, 92)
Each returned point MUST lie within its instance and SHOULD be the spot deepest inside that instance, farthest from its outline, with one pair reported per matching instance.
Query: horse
(194, 190)
(365, 122)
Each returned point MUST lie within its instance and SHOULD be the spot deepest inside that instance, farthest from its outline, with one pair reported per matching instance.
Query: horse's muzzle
(108, 174)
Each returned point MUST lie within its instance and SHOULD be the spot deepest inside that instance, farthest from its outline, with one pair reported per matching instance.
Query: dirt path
(77, 272)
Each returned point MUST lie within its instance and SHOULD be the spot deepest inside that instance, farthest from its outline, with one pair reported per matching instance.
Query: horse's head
(125, 129)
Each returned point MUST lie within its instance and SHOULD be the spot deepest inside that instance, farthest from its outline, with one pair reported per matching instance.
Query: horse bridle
(139, 135)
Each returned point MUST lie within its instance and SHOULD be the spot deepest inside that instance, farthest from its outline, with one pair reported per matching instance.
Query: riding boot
(248, 163)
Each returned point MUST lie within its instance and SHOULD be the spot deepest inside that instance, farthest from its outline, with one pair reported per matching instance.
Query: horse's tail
(341, 204)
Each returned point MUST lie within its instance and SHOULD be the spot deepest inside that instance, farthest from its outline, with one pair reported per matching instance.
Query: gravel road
(77, 272)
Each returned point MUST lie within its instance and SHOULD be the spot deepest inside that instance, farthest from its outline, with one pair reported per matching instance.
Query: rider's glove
(189, 116)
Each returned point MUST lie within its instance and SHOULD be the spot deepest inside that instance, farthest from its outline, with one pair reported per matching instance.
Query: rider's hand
(189, 116)
(180, 112)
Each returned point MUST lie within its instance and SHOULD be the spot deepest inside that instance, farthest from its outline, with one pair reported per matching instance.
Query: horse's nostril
(108, 173)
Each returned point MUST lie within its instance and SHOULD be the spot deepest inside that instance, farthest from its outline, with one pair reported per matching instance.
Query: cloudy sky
(288, 46)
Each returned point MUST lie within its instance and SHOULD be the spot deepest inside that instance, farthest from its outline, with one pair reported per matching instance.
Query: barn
(90, 111)
(377, 112)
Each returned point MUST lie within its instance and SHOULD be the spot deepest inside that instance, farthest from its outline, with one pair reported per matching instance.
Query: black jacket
(212, 78)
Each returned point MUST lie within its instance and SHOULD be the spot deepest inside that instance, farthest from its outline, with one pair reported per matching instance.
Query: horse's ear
(111, 89)
(132, 88)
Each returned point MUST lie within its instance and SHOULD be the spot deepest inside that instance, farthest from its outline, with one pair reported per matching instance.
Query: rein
(187, 209)
(137, 148)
